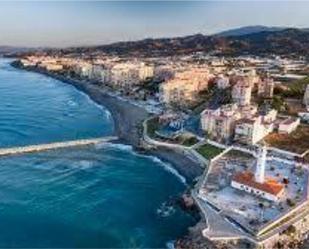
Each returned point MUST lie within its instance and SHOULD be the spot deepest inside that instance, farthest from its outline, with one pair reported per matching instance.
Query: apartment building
(266, 88)
(241, 123)
(220, 123)
(241, 92)
(183, 88)
(126, 74)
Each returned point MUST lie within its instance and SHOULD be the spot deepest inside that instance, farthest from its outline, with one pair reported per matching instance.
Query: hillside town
(244, 119)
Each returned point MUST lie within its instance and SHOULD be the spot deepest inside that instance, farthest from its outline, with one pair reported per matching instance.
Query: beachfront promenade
(55, 145)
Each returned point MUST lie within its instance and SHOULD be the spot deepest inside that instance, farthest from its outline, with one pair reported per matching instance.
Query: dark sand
(128, 119)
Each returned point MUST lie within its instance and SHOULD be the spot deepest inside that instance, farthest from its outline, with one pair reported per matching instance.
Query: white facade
(288, 125)
(241, 93)
(54, 67)
(27, 63)
(257, 192)
(260, 165)
(252, 130)
(266, 88)
(220, 123)
(182, 90)
(306, 97)
(126, 75)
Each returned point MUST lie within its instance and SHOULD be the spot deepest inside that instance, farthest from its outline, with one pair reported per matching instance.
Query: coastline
(128, 119)
(128, 126)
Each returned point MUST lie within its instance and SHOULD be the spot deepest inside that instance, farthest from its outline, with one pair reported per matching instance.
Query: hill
(248, 30)
(287, 41)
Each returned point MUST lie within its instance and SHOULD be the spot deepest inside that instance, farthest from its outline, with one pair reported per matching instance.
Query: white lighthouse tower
(260, 165)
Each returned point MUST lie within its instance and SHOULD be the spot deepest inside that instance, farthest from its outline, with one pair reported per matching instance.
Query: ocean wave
(85, 164)
(72, 103)
(122, 147)
(170, 244)
(105, 111)
(165, 210)
(167, 166)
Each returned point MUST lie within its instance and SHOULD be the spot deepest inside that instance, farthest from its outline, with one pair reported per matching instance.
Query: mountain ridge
(286, 41)
(246, 30)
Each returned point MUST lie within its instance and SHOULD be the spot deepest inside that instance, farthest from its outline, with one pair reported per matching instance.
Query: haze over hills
(7, 50)
(290, 41)
(248, 30)
(256, 40)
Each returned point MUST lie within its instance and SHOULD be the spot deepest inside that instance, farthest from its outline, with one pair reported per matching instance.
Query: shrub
(290, 202)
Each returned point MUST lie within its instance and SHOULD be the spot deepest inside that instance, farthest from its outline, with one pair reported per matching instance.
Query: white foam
(85, 164)
(165, 210)
(72, 103)
(167, 166)
(123, 147)
(170, 244)
(105, 111)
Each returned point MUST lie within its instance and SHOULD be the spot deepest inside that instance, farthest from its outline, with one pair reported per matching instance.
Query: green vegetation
(209, 151)
(297, 141)
(290, 203)
(295, 90)
(190, 141)
(290, 230)
(212, 95)
(239, 154)
(277, 102)
(152, 125)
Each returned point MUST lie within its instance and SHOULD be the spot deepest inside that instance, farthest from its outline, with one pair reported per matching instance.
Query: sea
(98, 196)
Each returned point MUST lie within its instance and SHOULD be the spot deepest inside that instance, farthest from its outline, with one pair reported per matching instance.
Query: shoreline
(128, 119)
(128, 126)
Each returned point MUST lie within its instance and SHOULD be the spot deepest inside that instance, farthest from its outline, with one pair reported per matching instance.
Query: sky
(76, 23)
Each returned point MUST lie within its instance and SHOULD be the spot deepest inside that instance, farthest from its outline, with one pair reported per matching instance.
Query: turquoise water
(95, 196)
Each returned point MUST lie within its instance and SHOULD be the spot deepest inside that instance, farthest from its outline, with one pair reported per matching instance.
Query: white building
(306, 97)
(53, 67)
(183, 89)
(219, 124)
(266, 88)
(256, 184)
(241, 92)
(288, 125)
(243, 123)
(127, 74)
(28, 63)
(83, 69)
(252, 130)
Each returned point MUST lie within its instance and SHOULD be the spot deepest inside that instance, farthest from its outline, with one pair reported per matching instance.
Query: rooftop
(270, 186)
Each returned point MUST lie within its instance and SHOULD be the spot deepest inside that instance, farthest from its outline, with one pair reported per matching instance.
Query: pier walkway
(55, 145)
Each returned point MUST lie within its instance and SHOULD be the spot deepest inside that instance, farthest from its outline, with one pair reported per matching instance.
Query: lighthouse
(260, 165)
(256, 183)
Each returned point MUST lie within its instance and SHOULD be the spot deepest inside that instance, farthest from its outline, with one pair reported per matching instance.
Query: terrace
(246, 209)
(297, 141)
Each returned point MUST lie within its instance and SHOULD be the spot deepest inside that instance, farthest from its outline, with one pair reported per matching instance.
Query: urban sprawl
(244, 119)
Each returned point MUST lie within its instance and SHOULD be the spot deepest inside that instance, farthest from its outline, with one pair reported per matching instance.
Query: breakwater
(56, 145)
(76, 197)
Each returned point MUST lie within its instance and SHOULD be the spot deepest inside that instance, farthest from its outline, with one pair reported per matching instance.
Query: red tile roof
(270, 186)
